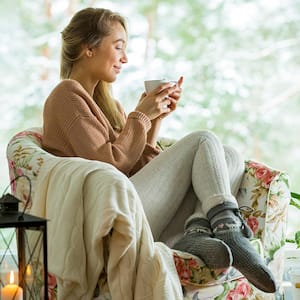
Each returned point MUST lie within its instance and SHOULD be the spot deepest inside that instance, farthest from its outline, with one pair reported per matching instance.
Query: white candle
(11, 291)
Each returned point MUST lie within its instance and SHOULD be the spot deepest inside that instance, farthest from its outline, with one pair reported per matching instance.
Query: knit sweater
(74, 125)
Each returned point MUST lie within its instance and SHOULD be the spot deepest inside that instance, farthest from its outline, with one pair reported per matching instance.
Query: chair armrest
(25, 158)
(266, 191)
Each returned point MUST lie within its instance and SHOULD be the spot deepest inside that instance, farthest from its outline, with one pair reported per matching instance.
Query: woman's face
(110, 55)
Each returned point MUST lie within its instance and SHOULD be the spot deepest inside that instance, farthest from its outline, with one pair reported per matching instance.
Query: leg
(168, 177)
(236, 168)
(174, 230)
(228, 226)
(191, 208)
(163, 183)
(221, 208)
(200, 159)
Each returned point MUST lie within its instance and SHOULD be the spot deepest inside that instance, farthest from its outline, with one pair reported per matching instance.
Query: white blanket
(84, 201)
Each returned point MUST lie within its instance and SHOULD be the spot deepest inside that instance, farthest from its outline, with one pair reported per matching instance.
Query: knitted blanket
(86, 201)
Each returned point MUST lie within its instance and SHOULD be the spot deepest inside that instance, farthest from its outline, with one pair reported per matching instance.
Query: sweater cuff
(141, 116)
(151, 150)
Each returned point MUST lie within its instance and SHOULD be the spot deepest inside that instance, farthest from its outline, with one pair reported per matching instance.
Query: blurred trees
(239, 58)
(241, 63)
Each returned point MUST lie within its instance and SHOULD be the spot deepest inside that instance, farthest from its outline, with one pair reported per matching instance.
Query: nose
(124, 58)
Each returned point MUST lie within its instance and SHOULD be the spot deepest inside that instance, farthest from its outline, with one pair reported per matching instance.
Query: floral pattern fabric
(263, 198)
(25, 158)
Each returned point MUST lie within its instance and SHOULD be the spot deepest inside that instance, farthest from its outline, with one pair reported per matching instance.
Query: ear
(89, 52)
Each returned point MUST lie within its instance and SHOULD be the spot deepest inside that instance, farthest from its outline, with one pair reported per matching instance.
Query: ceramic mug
(150, 85)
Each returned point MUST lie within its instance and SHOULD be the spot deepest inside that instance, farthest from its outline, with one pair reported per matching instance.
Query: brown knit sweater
(74, 125)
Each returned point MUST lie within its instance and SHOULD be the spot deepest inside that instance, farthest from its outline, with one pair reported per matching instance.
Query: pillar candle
(11, 291)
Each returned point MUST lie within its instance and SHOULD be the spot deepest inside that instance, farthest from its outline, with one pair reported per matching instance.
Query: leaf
(295, 195)
(225, 291)
(295, 201)
(297, 239)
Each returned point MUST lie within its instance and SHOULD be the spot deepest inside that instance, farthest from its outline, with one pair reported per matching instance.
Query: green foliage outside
(240, 60)
(295, 201)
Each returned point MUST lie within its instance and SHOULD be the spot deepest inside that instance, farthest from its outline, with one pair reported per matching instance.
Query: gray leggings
(187, 180)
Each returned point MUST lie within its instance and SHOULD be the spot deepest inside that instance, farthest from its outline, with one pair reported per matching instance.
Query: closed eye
(120, 44)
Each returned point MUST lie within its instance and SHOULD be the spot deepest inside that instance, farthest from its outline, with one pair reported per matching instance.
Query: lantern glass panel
(8, 255)
(23, 252)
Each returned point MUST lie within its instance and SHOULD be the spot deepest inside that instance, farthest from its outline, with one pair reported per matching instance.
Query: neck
(87, 83)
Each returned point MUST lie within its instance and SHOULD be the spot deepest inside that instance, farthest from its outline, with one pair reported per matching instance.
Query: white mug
(150, 85)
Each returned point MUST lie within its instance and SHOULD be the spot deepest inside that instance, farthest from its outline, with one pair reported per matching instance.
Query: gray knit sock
(197, 240)
(229, 227)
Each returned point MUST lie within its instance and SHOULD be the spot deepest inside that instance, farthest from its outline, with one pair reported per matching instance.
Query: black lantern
(23, 253)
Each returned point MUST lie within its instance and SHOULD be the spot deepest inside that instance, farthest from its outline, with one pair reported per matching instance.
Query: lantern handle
(29, 196)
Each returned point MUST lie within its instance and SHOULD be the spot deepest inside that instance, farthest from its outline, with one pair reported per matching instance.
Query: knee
(236, 166)
(233, 156)
(206, 136)
(200, 138)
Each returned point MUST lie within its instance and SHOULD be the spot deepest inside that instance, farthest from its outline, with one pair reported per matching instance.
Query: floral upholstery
(25, 157)
(263, 197)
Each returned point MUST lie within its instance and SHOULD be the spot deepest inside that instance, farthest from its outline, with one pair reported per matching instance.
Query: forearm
(153, 132)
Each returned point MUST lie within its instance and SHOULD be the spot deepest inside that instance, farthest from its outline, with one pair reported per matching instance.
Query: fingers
(160, 102)
(165, 103)
(164, 99)
(169, 103)
(176, 94)
(173, 104)
(165, 89)
(180, 81)
(170, 96)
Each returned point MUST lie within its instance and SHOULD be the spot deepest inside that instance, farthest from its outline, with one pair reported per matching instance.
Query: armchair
(264, 190)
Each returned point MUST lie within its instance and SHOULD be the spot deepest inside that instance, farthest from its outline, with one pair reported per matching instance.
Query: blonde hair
(88, 27)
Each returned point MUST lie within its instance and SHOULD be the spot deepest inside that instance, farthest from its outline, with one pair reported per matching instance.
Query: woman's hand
(174, 97)
(161, 101)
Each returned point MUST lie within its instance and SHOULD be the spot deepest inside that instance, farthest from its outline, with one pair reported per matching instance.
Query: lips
(117, 69)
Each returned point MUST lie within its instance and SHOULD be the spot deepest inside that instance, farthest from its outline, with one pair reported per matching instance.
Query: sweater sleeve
(149, 151)
(80, 128)
(90, 139)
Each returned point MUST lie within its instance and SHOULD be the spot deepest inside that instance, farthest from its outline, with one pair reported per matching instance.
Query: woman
(195, 179)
